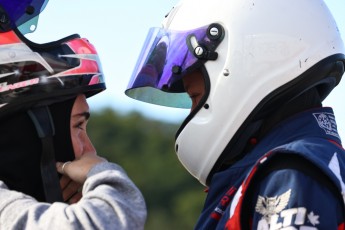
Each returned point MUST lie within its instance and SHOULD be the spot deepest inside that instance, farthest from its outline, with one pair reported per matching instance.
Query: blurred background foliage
(145, 149)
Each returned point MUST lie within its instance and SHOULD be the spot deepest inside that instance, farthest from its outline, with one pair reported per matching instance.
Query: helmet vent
(176, 148)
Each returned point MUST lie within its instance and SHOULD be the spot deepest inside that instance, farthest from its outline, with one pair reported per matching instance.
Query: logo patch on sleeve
(269, 206)
(327, 122)
(275, 216)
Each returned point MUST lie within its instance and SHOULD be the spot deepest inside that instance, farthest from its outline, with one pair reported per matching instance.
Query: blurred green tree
(145, 149)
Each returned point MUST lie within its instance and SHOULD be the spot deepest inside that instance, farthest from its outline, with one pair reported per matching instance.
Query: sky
(118, 29)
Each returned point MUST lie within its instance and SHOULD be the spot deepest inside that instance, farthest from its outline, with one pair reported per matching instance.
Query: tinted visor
(21, 14)
(165, 58)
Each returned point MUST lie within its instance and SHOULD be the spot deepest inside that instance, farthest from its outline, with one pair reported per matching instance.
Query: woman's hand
(71, 190)
(74, 175)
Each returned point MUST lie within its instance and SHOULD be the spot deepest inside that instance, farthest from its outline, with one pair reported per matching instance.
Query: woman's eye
(192, 95)
(79, 125)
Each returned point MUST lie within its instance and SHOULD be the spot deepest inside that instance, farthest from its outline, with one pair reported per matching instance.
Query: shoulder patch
(326, 121)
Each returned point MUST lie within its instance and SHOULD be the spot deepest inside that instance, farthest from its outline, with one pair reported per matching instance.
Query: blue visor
(165, 58)
(21, 14)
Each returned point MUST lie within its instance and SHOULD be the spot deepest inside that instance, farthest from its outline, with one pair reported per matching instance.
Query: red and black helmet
(34, 74)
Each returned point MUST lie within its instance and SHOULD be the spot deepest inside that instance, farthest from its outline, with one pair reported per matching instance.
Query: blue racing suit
(292, 179)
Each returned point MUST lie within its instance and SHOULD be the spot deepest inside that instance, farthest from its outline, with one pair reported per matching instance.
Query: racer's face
(79, 118)
(194, 85)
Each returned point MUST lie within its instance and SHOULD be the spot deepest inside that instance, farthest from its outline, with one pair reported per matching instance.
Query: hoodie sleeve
(110, 201)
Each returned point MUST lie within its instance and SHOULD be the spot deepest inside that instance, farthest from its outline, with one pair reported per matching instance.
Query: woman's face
(79, 118)
(194, 85)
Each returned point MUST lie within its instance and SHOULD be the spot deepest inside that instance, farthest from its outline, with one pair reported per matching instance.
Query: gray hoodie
(110, 201)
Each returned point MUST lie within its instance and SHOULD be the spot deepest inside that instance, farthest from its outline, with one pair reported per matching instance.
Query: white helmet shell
(267, 44)
(260, 54)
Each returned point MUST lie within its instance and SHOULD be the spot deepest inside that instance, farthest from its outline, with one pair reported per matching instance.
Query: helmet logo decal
(4, 87)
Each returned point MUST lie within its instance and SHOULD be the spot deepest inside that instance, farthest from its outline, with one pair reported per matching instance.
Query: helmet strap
(44, 125)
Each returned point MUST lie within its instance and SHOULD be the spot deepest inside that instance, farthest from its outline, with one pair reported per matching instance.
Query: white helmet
(255, 56)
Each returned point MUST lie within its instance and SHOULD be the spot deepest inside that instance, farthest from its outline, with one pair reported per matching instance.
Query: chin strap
(42, 120)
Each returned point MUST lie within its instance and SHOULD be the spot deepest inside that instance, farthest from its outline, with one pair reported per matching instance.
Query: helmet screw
(226, 72)
(176, 69)
(199, 51)
(206, 106)
(214, 31)
(3, 19)
(30, 10)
